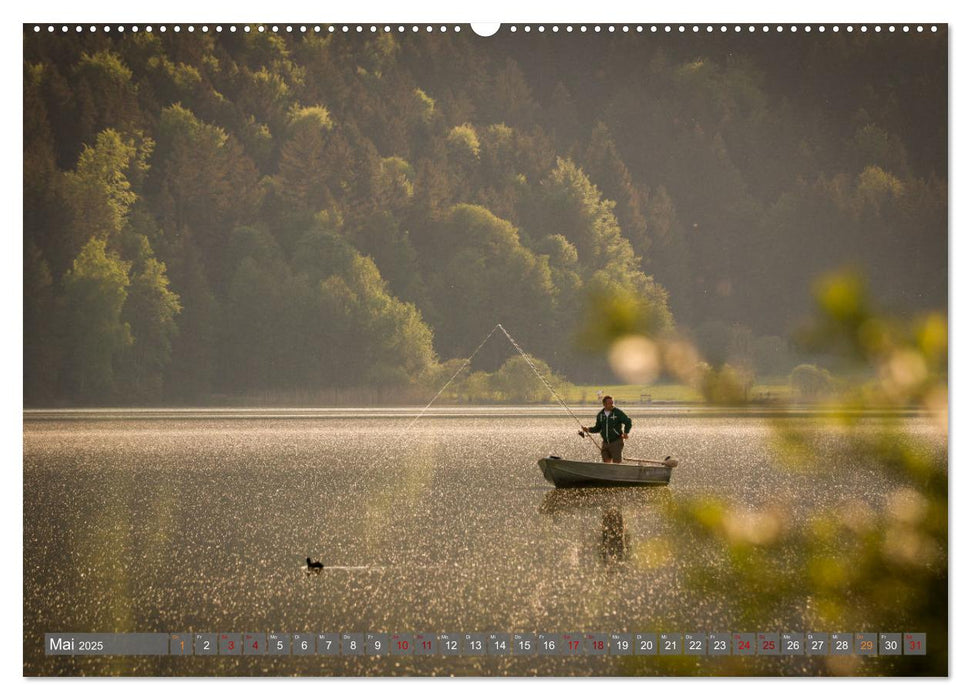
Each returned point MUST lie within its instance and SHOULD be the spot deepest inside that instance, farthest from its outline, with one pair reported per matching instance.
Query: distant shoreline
(466, 411)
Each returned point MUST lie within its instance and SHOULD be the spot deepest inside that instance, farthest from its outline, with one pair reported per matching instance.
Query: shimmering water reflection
(202, 523)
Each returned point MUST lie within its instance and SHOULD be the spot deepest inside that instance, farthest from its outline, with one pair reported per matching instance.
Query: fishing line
(396, 445)
(467, 363)
(543, 379)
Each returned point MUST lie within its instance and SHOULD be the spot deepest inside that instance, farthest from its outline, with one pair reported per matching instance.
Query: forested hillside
(226, 214)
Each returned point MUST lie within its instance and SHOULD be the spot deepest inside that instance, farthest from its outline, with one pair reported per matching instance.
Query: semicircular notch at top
(485, 28)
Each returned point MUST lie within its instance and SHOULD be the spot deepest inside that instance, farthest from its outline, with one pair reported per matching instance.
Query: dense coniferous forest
(221, 215)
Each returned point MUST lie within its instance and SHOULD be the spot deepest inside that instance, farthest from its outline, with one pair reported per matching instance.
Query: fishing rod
(548, 385)
(666, 462)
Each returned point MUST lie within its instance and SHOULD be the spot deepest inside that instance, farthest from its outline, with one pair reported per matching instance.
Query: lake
(201, 521)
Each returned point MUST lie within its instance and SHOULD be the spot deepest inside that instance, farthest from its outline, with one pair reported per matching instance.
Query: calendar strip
(377, 644)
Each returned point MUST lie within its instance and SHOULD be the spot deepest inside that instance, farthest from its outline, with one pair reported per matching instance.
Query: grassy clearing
(630, 394)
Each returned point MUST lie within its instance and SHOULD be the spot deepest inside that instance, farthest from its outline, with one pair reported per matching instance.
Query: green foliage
(856, 565)
(876, 186)
(321, 251)
(483, 269)
(107, 65)
(379, 53)
(104, 165)
(95, 289)
(572, 207)
(315, 118)
(464, 143)
(810, 382)
(97, 193)
(427, 105)
(604, 163)
(260, 302)
(306, 160)
(347, 330)
(477, 387)
(263, 49)
(689, 194)
(395, 186)
(381, 237)
(252, 242)
(908, 357)
(615, 297)
(876, 147)
(632, 394)
(105, 97)
(515, 381)
(561, 252)
(40, 346)
(150, 312)
(265, 95)
(258, 142)
(614, 308)
(383, 337)
(193, 369)
(175, 82)
(841, 297)
(725, 385)
(203, 180)
(512, 100)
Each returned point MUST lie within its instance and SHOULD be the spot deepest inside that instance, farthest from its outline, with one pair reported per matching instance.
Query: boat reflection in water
(565, 506)
(559, 501)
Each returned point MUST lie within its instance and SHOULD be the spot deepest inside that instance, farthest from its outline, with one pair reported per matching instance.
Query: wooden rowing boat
(564, 473)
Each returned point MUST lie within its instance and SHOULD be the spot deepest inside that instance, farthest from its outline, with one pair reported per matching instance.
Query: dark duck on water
(314, 566)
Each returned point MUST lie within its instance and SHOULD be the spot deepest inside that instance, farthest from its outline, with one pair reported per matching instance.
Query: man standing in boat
(613, 425)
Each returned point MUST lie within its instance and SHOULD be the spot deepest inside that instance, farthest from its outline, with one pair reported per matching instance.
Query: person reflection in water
(613, 425)
(614, 540)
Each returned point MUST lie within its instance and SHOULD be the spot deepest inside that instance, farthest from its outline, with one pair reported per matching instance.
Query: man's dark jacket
(609, 428)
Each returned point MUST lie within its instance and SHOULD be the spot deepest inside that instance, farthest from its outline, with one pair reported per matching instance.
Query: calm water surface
(200, 521)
